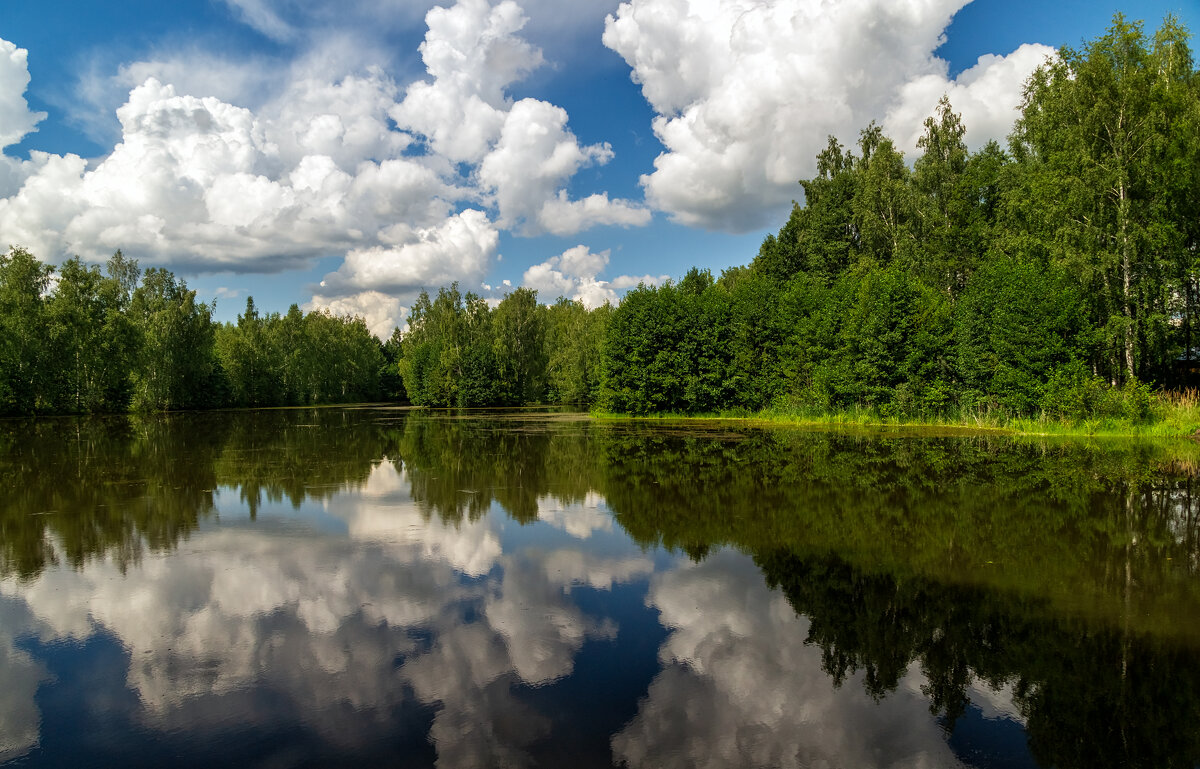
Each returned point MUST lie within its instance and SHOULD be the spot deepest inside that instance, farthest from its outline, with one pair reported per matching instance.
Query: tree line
(86, 341)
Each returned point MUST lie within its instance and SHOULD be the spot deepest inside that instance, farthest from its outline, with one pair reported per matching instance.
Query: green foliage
(177, 367)
(519, 348)
(574, 347)
(1073, 393)
(1017, 321)
(890, 350)
(447, 357)
(24, 347)
(1107, 140)
(669, 348)
(110, 342)
(93, 337)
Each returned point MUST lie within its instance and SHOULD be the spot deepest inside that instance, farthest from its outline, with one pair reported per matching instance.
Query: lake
(381, 586)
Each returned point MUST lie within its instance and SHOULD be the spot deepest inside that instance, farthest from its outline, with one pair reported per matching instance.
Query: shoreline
(1172, 427)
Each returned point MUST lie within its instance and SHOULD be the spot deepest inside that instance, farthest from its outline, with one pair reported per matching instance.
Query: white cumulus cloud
(574, 274)
(200, 183)
(381, 312)
(747, 91)
(16, 119)
(524, 151)
(413, 258)
(987, 96)
(473, 53)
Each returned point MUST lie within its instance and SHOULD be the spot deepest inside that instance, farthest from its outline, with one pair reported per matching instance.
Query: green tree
(24, 347)
(251, 359)
(822, 236)
(519, 346)
(956, 195)
(447, 355)
(645, 366)
(885, 206)
(92, 337)
(1098, 137)
(177, 367)
(1016, 323)
(892, 346)
(574, 350)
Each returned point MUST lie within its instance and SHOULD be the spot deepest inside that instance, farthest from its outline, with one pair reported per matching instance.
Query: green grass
(1172, 415)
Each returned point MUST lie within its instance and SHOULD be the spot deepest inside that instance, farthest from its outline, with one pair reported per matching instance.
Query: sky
(348, 155)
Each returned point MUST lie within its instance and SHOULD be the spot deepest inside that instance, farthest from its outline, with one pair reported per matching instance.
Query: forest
(1059, 275)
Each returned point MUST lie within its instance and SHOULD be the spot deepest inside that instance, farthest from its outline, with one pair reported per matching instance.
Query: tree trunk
(1126, 279)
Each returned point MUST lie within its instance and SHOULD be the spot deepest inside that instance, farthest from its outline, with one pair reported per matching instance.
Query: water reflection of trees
(75, 488)
(1066, 570)
(82, 487)
(461, 467)
(1110, 531)
(1092, 695)
(1107, 529)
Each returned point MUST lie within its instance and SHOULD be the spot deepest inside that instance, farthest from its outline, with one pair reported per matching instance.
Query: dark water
(380, 587)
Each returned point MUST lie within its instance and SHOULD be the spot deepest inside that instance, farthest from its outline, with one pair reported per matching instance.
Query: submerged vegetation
(1050, 286)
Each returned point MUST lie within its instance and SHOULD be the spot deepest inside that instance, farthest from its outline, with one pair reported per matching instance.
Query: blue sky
(346, 155)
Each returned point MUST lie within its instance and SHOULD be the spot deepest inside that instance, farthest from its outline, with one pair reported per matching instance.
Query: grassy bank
(1171, 415)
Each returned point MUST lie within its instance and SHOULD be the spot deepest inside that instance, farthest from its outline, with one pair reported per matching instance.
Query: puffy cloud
(562, 216)
(206, 184)
(382, 312)
(548, 281)
(460, 246)
(534, 155)
(622, 282)
(573, 274)
(473, 53)
(16, 119)
(533, 158)
(524, 151)
(987, 96)
(345, 120)
(746, 91)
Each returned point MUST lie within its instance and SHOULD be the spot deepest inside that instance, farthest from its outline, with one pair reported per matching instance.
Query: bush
(1074, 394)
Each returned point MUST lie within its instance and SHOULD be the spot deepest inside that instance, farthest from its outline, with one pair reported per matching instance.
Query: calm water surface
(384, 587)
